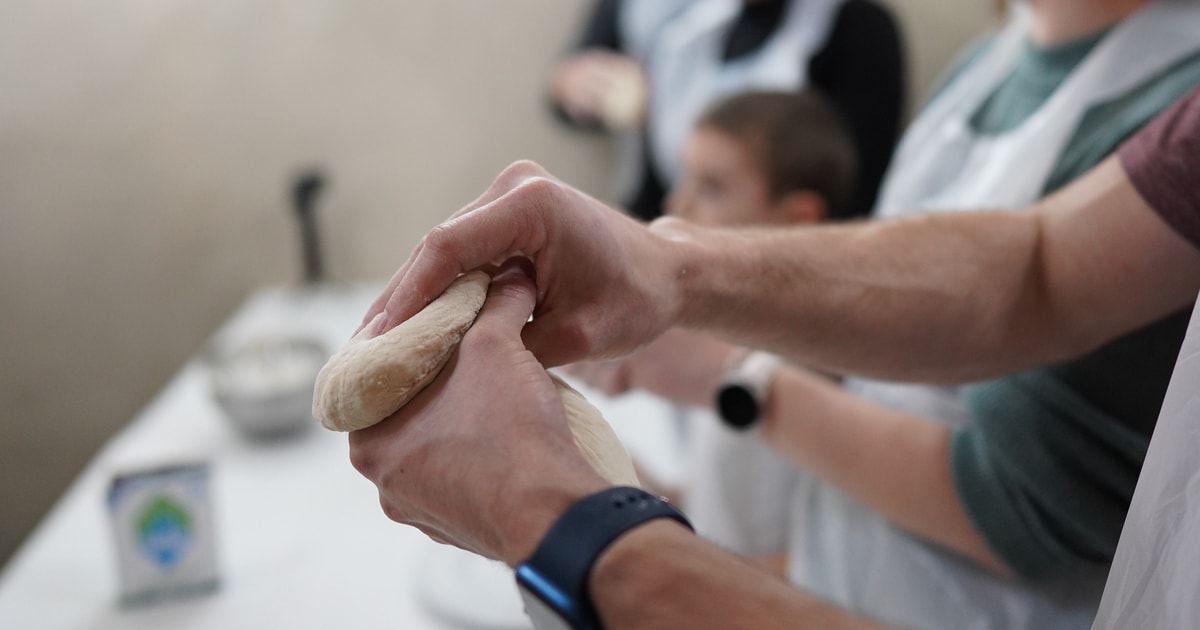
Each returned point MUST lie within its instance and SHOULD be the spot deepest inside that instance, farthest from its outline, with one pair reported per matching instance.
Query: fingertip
(380, 323)
(510, 300)
(372, 313)
(516, 275)
(522, 264)
(514, 289)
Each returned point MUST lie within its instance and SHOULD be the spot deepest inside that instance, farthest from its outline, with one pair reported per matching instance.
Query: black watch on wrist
(554, 580)
(741, 399)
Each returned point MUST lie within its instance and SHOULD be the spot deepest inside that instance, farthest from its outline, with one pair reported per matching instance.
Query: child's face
(722, 184)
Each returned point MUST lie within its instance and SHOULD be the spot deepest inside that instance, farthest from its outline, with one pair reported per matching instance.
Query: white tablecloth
(302, 542)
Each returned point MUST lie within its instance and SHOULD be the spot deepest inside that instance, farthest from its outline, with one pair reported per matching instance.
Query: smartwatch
(741, 399)
(553, 582)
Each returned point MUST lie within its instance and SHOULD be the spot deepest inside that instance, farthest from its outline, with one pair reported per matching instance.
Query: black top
(860, 69)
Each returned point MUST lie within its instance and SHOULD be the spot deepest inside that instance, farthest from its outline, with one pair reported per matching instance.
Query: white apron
(739, 488)
(680, 43)
(1155, 577)
(846, 552)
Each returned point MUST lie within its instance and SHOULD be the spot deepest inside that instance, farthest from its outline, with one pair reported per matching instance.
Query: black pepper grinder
(305, 189)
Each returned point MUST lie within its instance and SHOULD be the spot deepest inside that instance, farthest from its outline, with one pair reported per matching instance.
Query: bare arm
(895, 463)
(495, 406)
(942, 297)
(945, 297)
(661, 576)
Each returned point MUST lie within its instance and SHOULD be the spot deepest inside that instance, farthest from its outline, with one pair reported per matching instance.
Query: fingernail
(521, 263)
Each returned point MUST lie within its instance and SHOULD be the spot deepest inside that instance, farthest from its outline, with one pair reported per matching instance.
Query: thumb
(510, 300)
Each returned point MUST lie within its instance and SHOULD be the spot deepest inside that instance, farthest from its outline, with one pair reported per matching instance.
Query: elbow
(1037, 319)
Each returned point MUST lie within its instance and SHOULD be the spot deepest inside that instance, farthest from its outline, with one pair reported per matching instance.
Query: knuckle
(390, 510)
(518, 171)
(537, 191)
(533, 205)
(362, 459)
(440, 237)
(444, 242)
(514, 174)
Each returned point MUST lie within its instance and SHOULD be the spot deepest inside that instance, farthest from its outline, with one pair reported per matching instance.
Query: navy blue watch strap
(559, 568)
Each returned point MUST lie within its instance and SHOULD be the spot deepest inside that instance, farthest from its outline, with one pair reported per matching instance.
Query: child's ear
(803, 206)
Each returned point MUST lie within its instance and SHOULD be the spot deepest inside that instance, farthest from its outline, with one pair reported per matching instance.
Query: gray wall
(144, 152)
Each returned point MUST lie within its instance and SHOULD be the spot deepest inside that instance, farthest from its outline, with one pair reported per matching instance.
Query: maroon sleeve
(1163, 162)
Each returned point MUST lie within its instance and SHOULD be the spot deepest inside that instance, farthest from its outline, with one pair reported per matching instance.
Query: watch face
(737, 405)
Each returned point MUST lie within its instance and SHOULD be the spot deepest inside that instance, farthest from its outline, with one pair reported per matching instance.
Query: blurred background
(147, 149)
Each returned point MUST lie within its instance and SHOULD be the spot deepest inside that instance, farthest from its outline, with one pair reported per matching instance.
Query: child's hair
(797, 139)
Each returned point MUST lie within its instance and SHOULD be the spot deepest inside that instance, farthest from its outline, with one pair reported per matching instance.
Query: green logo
(164, 531)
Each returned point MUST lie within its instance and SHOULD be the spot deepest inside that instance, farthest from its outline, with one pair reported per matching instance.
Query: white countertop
(301, 540)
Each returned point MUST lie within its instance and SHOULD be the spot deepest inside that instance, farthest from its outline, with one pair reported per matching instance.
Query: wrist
(717, 281)
(689, 259)
(532, 516)
(555, 581)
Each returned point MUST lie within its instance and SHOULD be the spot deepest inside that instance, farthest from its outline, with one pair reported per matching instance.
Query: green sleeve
(1045, 476)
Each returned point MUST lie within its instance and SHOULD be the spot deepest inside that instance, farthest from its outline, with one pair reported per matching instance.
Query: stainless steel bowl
(265, 384)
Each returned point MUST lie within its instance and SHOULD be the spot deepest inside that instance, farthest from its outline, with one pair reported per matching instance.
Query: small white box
(162, 521)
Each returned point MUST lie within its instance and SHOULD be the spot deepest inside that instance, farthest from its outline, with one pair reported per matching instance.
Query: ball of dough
(371, 378)
(596, 438)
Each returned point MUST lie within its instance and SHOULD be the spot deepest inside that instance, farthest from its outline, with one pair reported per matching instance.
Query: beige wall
(934, 31)
(144, 152)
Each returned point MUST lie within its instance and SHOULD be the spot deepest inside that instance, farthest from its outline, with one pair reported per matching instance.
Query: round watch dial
(737, 405)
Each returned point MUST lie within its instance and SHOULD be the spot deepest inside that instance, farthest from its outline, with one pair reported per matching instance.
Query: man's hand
(605, 283)
(483, 458)
(682, 366)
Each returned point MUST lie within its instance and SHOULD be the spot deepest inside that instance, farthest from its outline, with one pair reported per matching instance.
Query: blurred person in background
(760, 158)
(645, 71)
(1030, 474)
(1110, 253)
(1007, 530)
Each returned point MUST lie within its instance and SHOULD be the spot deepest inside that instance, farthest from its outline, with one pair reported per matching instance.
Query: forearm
(942, 297)
(855, 298)
(896, 464)
(661, 576)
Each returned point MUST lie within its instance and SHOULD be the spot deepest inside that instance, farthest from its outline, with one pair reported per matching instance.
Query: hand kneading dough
(371, 378)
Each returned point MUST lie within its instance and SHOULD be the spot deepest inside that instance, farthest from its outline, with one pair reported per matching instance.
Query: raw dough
(595, 438)
(371, 378)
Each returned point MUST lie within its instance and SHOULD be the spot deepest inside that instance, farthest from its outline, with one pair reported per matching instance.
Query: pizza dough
(371, 378)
